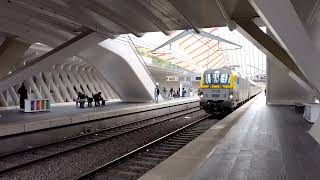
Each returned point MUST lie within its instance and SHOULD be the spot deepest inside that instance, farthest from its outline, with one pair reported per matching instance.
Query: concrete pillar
(76, 74)
(45, 88)
(34, 88)
(102, 84)
(63, 88)
(284, 23)
(3, 101)
(90, 83)
(14, 95)
(68, 83)
(71, 79)
(55, 89)
(110, 89)
(96, 84)
(11, 53)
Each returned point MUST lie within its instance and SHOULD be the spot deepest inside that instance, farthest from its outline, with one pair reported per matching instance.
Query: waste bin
(311, 112)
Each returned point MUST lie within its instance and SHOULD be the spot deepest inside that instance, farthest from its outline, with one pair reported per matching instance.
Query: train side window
(237, 80)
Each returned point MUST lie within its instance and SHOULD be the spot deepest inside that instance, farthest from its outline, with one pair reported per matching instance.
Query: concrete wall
(281, 88)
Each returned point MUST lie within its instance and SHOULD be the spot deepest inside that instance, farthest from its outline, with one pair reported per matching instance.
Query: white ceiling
(52, 22)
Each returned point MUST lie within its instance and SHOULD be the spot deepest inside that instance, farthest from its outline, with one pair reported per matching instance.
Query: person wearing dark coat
(23, 92)
(171, 92)
(97, 98)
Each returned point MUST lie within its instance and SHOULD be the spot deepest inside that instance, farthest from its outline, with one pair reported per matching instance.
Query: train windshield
(217, 78)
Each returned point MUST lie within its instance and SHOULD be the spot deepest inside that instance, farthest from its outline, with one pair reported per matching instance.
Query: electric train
(223, 89)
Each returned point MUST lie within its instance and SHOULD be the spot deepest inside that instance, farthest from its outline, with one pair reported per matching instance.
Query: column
(45, 88)
(14, 95)
(34, 88)
(55, 89)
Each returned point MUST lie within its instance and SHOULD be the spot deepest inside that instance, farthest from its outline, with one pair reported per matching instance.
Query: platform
(257, 142)
(12, 121)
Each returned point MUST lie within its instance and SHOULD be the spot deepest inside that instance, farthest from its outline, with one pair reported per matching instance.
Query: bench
(83, 101)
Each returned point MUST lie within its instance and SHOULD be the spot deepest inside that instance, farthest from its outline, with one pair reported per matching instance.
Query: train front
(216, 90)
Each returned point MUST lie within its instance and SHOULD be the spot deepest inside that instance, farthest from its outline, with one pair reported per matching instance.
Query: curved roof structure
(198, 53)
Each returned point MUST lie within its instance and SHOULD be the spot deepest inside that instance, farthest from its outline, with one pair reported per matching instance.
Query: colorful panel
(48, 104)
(32, 105)
(37, 105)
(43, 104)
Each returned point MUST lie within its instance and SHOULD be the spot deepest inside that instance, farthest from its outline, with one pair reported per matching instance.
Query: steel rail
(99, 169)
(22, 165)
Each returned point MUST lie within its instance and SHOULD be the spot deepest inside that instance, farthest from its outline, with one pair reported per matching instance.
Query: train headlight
(201, 95)
(231, 96)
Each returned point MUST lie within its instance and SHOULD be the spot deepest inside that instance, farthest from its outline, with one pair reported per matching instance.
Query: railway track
(22, 159)
(137, 162)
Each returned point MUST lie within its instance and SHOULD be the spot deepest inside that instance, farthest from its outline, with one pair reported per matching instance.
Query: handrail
(139, 56)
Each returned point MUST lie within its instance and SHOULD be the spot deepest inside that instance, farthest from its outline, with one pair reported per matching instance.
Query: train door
(236, 88)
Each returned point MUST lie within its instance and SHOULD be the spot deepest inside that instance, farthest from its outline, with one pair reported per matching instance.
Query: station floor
(265, 143)
(12, 116)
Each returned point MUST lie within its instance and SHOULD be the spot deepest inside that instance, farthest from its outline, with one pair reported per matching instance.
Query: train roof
(219, 69)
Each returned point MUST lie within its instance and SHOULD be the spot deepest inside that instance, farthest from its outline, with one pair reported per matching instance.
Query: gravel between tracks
(73, 164)
(51, 149)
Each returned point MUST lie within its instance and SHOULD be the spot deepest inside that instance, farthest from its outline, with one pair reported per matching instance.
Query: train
(223, 89)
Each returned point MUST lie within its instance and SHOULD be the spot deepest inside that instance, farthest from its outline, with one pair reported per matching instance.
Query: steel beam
(266, 44)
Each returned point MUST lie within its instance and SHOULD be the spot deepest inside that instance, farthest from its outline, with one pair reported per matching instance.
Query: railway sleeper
(146, 158)
(192, 133)
(181, 138)
(130, 167)
(178, 142)
(160, 151)
(138, 163)
(127, 171)
(170, 146)
(141, 161)
(185, 136)
(149, 154)
(114, 177)
(115, 172)
(195, 130)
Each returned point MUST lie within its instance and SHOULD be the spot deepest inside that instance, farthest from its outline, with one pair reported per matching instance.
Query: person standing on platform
(164, 92)
(183, 92)
(156, 93)
(22, 91)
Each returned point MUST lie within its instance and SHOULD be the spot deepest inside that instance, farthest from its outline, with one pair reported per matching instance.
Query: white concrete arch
(119, 65)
